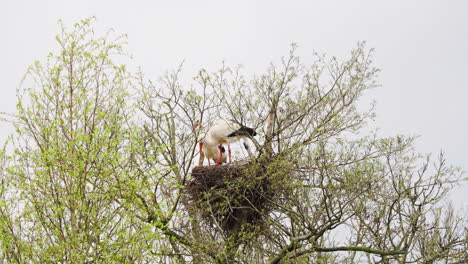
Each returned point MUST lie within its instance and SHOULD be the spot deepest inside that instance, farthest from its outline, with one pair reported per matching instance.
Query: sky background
(420, 46)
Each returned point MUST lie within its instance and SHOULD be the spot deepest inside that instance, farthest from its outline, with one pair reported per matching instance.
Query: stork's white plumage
(223, 132)
(209, 151)
(213, 152)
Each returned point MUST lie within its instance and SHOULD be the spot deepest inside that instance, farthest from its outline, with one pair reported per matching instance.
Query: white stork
(211, 152)
(223, 132)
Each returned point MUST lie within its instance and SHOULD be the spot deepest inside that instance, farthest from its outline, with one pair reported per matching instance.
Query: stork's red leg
(201, 147)
(229, 152)
(202, 155)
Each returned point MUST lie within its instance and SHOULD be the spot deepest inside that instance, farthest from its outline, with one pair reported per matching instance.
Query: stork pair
(222, 132)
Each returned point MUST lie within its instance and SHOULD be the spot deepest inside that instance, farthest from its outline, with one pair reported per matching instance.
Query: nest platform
(233, 196)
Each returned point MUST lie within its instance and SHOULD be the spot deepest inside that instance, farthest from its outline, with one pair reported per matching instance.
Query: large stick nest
(237, 195)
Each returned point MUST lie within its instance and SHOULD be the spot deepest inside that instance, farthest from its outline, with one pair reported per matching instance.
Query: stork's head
(223, 154)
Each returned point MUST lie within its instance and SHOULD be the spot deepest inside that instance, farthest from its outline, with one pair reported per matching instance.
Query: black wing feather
(243, 132)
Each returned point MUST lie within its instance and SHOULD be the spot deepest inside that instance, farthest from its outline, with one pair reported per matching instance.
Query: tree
(103, 161)
(63, 188)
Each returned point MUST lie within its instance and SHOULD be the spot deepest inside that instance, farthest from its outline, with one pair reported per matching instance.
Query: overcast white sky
(421, 47)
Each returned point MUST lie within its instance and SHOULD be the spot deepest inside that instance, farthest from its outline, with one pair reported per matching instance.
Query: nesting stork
(223, 132)
(212, 152)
